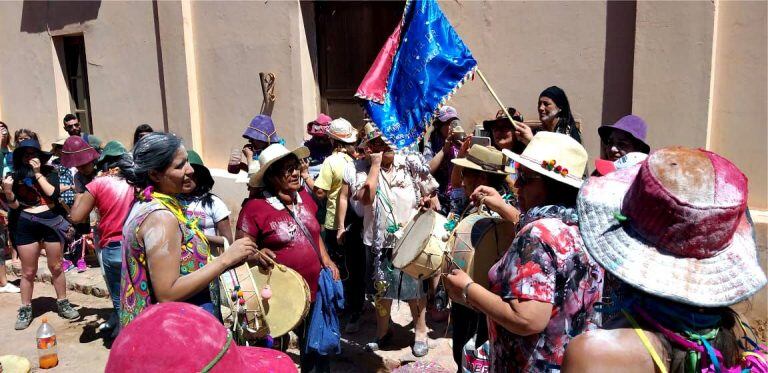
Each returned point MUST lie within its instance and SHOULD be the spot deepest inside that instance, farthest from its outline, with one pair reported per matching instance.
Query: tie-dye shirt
(547, 262)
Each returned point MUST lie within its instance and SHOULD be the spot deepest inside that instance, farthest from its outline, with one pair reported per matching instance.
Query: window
(71, 50)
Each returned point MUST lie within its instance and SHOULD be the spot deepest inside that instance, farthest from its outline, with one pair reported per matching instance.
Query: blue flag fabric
(430, 64)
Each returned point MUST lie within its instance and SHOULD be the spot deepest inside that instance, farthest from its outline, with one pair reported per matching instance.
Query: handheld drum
(420, 252)
(478, 242)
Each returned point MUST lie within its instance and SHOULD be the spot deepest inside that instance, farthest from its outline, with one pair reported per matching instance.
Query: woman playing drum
(269, 221)
(391, 187)
(543, 291)
(165, 256)
(480, 167)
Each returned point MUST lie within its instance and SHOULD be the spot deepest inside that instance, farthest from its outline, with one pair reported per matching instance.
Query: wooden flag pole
(493, 93)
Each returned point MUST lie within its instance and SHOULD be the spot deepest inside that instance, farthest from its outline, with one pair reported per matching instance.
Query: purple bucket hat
(262, 128)
(631, 124)
(77, 152)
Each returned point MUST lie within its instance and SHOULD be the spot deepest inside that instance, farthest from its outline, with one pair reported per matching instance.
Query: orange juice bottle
(46, 345)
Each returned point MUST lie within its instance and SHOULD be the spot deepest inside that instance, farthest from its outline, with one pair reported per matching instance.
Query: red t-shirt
(114, 198)
(268, 221)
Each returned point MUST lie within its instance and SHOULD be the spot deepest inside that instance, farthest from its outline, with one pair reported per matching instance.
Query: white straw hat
(674, 226)
(270, 155)
(554, 155)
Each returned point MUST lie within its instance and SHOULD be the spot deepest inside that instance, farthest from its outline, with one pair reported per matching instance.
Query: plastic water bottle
(46, 345)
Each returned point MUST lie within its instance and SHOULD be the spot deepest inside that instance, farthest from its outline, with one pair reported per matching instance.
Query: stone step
(90, 282)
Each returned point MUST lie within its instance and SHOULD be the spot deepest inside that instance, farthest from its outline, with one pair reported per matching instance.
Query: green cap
(194, 158)
(112, 149)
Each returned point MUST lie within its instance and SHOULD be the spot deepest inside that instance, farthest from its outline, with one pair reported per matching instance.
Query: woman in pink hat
(77, 153)
(675, 235)
(543, 290)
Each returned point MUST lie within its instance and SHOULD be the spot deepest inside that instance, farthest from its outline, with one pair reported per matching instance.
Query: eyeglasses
(70, 126)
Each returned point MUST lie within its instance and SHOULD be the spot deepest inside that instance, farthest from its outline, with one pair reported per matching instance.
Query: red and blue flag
(420, 67)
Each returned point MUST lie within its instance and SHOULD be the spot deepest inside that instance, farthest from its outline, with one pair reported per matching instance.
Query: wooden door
(350, 35)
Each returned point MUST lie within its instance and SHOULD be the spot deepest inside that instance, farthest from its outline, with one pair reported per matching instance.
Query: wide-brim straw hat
(554, 155)
(341, 130)
(675, 226)
(485, 159)
(270, 155)
(77, 152)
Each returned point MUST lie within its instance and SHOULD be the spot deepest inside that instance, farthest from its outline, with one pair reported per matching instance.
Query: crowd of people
(632, 266)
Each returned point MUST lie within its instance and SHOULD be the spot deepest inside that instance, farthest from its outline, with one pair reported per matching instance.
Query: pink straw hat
(674, 226)
(77, 152)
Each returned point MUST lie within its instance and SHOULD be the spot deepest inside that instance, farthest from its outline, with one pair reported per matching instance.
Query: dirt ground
(81, 349)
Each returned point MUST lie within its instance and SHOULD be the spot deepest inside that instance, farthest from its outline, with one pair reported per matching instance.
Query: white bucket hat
(270, 155)
(340, 129)
(554, 155)
(674, 226)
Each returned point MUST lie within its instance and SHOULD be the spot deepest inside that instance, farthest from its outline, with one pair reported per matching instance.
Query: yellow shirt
(330, 179)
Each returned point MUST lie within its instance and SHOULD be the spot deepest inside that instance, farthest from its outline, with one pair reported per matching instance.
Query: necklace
(174, 206)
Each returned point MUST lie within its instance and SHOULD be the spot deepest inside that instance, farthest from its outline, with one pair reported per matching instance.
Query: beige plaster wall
(522, 52)
(27, 89)
(235, 41)
(739, 129)
(672, 68)
(123, 70)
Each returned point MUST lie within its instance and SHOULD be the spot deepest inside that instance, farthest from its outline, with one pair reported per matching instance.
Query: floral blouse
(547, 262)
(136, 292)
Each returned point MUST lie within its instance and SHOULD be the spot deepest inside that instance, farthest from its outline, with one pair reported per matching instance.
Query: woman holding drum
(391, 187)
(543, 291)
(282, 222)
(166, 257)
(482, 167)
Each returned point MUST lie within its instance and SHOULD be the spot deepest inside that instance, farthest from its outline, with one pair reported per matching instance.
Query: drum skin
(421, 250)
(287, 307)
(290, 300)
(478, 242)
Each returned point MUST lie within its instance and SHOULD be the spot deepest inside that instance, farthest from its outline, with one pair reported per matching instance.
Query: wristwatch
(464, 292)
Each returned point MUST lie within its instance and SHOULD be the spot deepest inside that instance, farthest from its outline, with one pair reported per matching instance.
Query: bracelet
(464, 292)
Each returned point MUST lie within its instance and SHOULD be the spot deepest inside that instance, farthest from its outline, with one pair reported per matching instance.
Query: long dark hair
(567, 124)
(141, 128)
(154, 151)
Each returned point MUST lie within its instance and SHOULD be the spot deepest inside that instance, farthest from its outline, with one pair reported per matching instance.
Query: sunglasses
(524, 178)
(70, 126)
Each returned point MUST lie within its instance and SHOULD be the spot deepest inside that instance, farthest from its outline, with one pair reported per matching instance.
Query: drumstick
(269, 259)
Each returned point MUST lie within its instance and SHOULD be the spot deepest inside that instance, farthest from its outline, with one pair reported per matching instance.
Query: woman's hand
(304, 168)
(238, 251)
(523, 132)
(455, 282)
(35, 164)
(376, 158)
(487, 196)
(8, 184)
(332, 266)
(260, 259)
(248, 153)
(465, 147)
(448, 142)
(341, 235)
